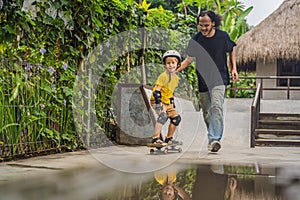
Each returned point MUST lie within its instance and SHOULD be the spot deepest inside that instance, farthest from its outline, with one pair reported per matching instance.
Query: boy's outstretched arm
(185, 63)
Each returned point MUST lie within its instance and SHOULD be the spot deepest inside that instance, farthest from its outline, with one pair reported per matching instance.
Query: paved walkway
(109, 163)
(83, 175)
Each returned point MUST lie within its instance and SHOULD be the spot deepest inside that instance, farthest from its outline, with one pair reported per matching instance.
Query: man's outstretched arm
(185, 63)
(232, 62)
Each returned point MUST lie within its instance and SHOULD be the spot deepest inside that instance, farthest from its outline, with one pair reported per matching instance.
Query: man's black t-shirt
(211, 58)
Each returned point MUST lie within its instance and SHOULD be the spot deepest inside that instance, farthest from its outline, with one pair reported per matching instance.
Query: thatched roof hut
(276, 37)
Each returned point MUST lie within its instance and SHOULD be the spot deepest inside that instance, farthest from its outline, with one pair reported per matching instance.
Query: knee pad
(162, 118)
(176, 120)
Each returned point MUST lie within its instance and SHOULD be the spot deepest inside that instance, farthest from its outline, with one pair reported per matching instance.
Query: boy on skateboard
(162, 99)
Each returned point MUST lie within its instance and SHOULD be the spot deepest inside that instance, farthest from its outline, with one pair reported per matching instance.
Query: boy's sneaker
(215, 146)
(157, 140)
(171, 141)
(161, 137)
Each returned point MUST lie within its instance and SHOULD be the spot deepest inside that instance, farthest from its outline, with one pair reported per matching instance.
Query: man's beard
(206, 32)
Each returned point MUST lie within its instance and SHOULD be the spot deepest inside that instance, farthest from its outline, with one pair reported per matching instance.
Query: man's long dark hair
(216, 18)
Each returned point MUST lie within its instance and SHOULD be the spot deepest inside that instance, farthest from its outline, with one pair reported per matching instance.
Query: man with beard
(210, 48)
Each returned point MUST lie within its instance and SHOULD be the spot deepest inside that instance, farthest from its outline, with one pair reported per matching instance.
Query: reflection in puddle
(215, 182)
(208, 182)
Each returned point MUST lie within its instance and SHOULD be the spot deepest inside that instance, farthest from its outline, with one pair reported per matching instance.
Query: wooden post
(143, 57)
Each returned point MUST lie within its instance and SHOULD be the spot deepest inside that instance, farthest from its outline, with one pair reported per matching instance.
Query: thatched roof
(277, 36)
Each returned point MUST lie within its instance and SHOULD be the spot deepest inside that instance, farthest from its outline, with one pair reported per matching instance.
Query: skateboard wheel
(151, 151)
(179, 150)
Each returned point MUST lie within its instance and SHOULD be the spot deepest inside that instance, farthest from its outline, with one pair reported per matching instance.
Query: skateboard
(164, 148)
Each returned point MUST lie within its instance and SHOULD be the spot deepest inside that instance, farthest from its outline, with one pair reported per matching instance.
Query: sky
(261, 9)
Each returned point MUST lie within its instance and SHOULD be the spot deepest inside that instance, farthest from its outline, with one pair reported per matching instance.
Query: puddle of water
(215, 182)
(196, 182)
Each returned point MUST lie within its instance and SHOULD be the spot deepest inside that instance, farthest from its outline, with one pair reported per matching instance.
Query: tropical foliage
(45, 45)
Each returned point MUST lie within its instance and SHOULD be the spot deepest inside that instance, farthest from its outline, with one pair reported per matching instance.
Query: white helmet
(171, 53)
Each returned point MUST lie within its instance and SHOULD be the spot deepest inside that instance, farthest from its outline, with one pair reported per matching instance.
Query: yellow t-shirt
(167, 86)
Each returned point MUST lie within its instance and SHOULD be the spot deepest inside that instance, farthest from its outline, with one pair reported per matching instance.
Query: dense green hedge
(41, 53)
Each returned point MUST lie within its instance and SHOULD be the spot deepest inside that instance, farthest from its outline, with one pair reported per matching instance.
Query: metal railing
(260, 79)
(255, 110)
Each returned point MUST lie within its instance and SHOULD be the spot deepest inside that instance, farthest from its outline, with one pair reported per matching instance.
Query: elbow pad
(172, 101)
(157, 96)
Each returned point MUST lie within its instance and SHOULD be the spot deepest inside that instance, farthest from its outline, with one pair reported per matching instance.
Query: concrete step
(277, 132)
(279, 124)
(280, 116)
(280, 106)
(275, 137)
(275, 142)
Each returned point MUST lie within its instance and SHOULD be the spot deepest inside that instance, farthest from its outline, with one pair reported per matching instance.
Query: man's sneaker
(215, 146)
